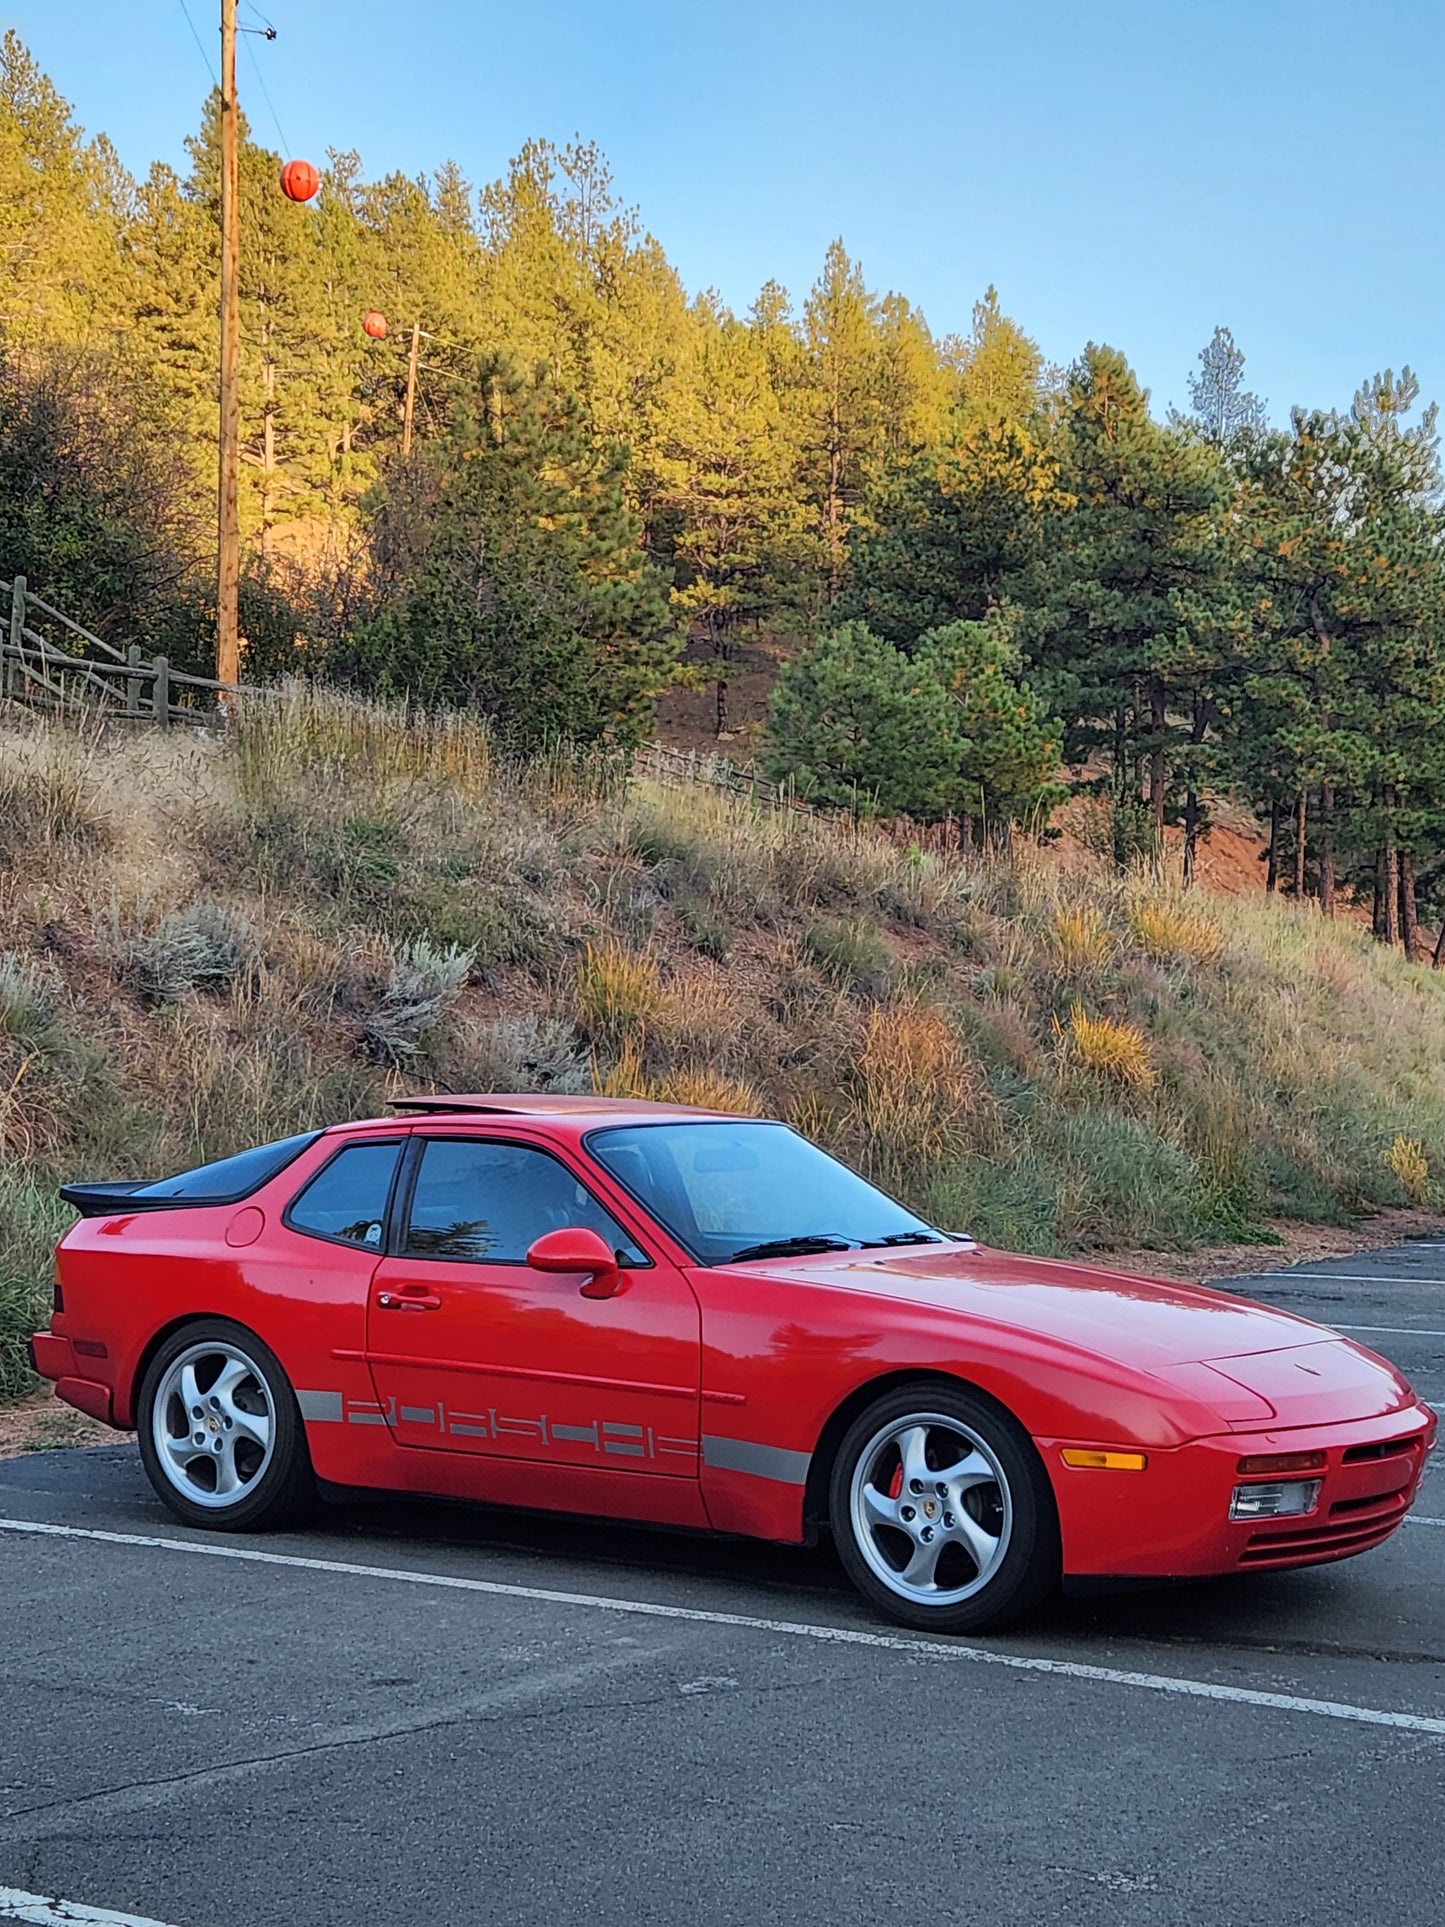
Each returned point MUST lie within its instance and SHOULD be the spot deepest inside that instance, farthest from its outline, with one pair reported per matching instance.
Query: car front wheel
(220, 1434)
(942, 1511)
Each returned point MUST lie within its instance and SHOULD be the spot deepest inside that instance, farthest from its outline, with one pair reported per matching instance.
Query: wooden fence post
(132, 682)
(17, 636)
(161, 699)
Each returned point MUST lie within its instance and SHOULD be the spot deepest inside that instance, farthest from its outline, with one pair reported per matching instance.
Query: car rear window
(230, 1178)
(346, 1200)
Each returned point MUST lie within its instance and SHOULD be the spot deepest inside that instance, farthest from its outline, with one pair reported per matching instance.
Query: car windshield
(737, 1190)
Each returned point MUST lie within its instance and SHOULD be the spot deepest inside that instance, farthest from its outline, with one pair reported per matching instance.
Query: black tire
(990, 1566)
(274, 1483)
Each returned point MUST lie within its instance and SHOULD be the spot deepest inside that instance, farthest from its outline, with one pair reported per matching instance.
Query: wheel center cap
(930, 1508)
(213, 1424)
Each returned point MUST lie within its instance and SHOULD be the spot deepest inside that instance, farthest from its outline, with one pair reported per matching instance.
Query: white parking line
(1348, 1278)
(750, 1622)
(1393, 1331)
(45, 1911)
(1415, 1520)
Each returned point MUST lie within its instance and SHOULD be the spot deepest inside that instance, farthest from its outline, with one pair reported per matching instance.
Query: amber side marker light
(1285, 1462)
(1087, 1460)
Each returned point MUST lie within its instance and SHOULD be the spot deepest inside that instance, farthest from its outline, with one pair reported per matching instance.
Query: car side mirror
(574, 1249)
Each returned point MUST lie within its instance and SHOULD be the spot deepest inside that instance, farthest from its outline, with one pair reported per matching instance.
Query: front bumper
(1171, 1521)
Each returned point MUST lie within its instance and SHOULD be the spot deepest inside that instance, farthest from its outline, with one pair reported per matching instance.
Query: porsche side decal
(609, 1437)
(612, 1437)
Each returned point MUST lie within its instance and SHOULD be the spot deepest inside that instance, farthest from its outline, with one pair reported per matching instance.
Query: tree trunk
(1271, 869)
(1327, 849)
(1191, 836)
(1377, 915)
(720, 683)
(1301, 826)
(1409, 914)
(1158, 765)
(1392, 876)
(1439, 957)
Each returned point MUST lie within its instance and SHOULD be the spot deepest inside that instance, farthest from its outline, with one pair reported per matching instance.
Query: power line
(200, 49)
(266, 96)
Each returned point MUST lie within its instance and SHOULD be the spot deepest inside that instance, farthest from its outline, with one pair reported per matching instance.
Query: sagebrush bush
(524, 1053)
(203, 947)
(424, 981)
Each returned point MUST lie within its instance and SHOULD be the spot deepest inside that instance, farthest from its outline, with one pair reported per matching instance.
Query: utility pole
(228, 522)
(410, 410)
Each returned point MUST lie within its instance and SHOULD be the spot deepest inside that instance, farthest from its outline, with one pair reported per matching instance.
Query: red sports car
(644, 1312)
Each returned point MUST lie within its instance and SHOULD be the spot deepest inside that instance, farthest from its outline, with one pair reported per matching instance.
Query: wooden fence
(47, 659)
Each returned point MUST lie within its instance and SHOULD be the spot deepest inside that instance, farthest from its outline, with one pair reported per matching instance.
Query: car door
(472, 1351)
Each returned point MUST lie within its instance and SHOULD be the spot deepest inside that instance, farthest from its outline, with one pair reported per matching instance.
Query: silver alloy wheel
(213, 1424)
(931, 1509)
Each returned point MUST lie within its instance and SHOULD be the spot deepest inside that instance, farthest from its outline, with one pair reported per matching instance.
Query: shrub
(425, 980)
(1111, 1049)
(617, 991)
(526, 1053)
(1167, 933)
(204, 947)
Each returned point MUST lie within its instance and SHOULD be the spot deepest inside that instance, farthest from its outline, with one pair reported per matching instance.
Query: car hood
(1262, 1362)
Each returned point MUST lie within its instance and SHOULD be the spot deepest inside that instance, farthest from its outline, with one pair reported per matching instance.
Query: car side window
(346, 1200)
(490, 1202)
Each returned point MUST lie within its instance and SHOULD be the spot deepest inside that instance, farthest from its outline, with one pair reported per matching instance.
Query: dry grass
(1168, 933)
(618, 991)
(1111, 1049)
(1406, 1161)
(1080, 940)
(205, 943)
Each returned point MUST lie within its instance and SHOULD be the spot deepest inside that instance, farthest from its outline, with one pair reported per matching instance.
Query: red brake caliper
(895, 1484)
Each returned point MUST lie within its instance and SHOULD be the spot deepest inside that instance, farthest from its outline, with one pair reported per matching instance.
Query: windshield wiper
(906, 1238)
(787, 1247)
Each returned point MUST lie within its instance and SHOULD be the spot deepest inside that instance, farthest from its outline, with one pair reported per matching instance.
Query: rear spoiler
(106, 1200)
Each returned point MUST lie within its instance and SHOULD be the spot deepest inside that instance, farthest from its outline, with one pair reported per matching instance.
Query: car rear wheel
(942, 1511)
(221, 1437)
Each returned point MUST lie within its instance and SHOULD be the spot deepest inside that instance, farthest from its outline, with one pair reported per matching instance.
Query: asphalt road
(419, 1715)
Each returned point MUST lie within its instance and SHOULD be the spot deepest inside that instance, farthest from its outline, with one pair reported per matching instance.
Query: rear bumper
(53, 1357)
(1171, 1521)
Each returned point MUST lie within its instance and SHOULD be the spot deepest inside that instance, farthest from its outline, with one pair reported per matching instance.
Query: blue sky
(1130, 171)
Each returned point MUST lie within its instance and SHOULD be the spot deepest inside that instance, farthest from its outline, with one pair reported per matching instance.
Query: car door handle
(409, 1298)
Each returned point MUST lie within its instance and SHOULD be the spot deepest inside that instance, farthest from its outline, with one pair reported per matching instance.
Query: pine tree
(1128, 596)
(726, 483)
(64, 206)
(1224, 411)
(510, 575)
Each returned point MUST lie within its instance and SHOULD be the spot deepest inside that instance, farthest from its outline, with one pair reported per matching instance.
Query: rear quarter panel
(129, 1280)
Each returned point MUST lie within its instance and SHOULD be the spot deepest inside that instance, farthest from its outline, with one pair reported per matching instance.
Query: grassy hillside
(205, 944)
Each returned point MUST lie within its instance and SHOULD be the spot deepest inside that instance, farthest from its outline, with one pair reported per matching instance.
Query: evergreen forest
(987, 579)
